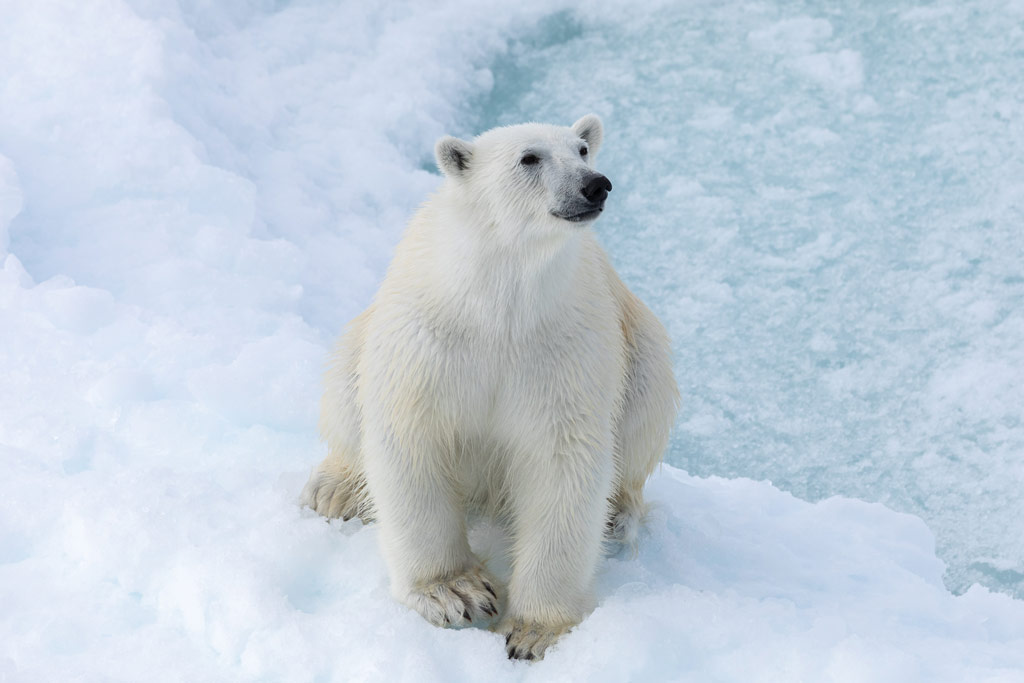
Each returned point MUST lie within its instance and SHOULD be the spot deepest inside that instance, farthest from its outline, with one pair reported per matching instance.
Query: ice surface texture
(827, 209)
(823, 206)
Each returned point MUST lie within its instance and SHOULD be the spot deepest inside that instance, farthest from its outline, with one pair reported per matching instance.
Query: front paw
(529, 639)
(457, 601)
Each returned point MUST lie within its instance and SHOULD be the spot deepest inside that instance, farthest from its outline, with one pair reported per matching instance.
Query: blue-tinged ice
(827, 208)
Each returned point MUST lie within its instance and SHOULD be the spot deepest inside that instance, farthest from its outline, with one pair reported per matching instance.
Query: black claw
(489, 610)
(490, 590)
(528, 656)
(447, 621)
(459, 595)
(508, 638)
(515, 654)
(465, 614)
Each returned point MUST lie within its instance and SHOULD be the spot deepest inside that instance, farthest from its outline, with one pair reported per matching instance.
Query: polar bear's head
(531, 175)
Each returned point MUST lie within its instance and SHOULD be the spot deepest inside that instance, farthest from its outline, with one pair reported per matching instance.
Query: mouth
(587, 215)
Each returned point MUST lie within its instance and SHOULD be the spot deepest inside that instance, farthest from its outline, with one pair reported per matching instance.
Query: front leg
(559, 499)
(423, 529)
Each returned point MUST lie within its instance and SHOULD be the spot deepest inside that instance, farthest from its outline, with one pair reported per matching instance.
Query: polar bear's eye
(583, 151)
(529, 160)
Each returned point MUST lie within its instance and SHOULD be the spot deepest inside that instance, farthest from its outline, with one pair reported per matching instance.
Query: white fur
(503, 366)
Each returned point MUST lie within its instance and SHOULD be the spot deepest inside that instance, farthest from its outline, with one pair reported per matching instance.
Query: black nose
(597, 188)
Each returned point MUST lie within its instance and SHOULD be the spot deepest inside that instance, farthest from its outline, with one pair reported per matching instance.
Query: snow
(823, 205)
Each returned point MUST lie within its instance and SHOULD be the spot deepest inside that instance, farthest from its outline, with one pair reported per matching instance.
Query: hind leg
(649, 407)
(337, 486)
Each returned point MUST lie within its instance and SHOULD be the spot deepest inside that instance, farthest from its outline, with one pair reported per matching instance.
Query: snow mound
(163, 578)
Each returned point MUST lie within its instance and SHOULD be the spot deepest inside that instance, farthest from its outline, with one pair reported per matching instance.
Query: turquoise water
(826, 207)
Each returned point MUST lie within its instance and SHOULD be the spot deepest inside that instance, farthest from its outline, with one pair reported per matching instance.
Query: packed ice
(824, 205)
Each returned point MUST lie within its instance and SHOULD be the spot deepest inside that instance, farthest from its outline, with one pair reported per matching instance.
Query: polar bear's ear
(453, 156)
(590, 129)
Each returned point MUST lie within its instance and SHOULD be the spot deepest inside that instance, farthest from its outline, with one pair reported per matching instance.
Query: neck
(513, 275)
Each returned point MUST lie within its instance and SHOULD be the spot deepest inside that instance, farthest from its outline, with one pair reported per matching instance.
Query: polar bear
(502, 367)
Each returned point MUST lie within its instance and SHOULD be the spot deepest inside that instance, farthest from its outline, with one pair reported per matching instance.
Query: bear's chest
(560, 364)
